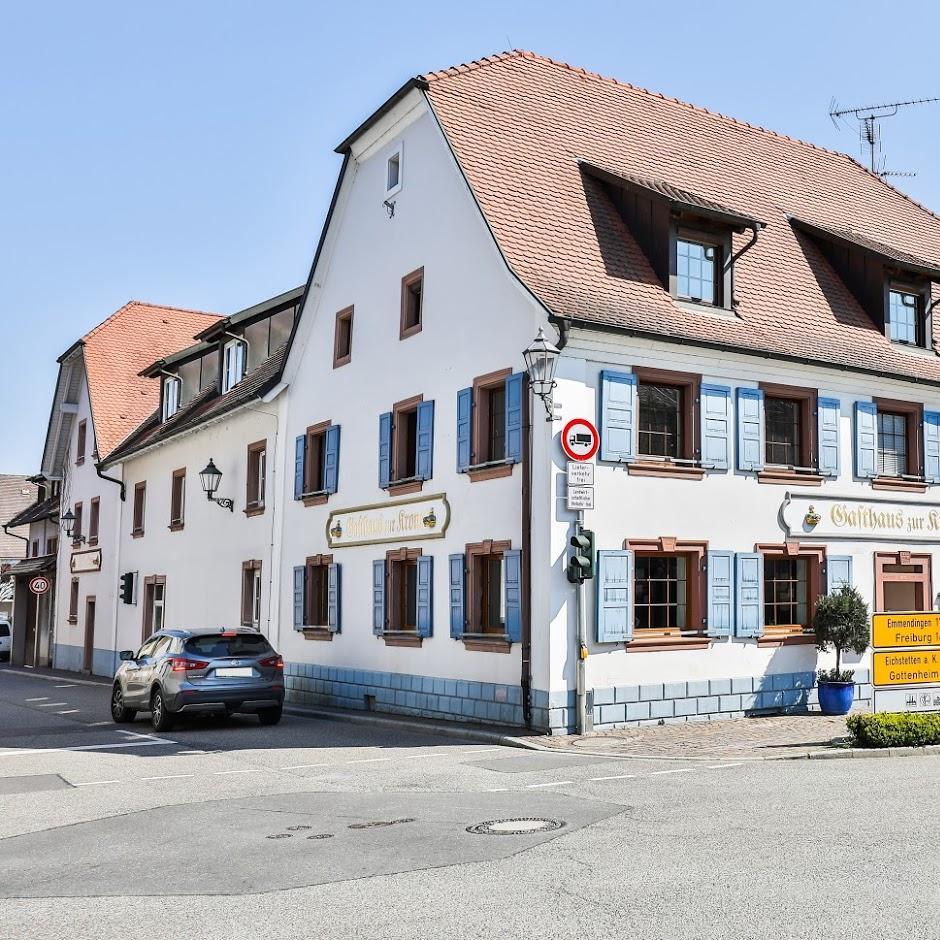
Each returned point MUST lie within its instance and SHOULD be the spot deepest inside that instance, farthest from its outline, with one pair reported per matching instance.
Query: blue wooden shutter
(378, 597)
(866, 438)
(827, 430)
(750, 429)
(300, 578)
(932, 446)
(721, 599)
(618, 416)
(614, 613)
(455, 568)
(716, 426)
(425, 608)
(512, 587)
(514, 418)
(424, 459)
(749, 594)
(464, 429)
(300, 453)
(332, 598)
(331, 458)
(385, 449)
(838, 572)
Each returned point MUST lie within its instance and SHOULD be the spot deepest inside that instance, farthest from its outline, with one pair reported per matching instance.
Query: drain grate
(518, 826)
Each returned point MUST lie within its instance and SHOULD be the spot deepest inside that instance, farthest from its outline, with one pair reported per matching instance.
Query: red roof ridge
(587, 73)
(143, 303)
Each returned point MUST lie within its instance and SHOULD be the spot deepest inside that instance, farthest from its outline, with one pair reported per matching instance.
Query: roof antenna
(870, 130)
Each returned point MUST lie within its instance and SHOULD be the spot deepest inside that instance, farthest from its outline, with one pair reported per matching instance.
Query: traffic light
(127, 587)
(581, 560)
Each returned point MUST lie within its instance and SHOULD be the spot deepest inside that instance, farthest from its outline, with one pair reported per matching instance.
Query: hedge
(895, 730)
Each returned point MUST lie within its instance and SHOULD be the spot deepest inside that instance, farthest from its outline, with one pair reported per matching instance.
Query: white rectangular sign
(580, 497)
(925, 698)
(580, 473)
(884, 520)
(424, 517)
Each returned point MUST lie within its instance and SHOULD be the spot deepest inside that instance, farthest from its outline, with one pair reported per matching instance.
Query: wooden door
(89, 649)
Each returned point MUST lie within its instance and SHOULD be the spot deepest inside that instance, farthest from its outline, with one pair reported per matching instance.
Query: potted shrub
(841, 621)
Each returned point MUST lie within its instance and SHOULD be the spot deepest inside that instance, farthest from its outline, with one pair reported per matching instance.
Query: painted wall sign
(906, 667)
(40, 584)
(885, 520)
(901, 630)
(89, 560)
(924, 699)
(426, 517)
(579, 439)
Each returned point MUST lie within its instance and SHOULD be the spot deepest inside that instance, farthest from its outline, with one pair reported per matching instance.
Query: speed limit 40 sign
(39, 585)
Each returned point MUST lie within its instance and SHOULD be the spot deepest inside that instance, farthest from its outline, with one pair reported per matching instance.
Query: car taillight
(178, 664)
(272, 662)
(229, 633)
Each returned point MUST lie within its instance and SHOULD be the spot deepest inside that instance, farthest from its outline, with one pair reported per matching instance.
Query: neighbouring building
(16, 494)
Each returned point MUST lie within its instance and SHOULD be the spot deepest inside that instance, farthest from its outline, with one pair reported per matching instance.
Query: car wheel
(270, 716)
(119, 711)
(160, 716)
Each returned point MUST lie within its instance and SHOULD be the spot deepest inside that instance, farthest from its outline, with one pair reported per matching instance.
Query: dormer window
(393, 170)
(171, 396)
(698, 275)
(233, 364)
(906, 320)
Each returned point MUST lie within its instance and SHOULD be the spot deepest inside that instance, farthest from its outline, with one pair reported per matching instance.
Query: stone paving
(764, 738)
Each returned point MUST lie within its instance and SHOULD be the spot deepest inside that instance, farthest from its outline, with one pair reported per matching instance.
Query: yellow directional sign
(906, 667)
(906, 629)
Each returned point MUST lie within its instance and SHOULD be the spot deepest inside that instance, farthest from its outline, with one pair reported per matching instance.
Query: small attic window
(233, 358)
(393, 172)
(171, 396)
(907, 320)
(698, 272)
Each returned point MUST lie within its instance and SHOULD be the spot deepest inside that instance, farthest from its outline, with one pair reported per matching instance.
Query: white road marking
(68, 685)
(97, 724)
(301, 766)
(95, 783)
(52, 704)
(722, 766)
(83, 747)
(556, 783)
(675, 770)
(169, 777)
(41, 698)
(68, 711)
(250, 770)
(614, 777)
(368, 760)
(497, 790)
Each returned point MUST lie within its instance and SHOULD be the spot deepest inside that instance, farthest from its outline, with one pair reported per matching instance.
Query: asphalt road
(323, 829)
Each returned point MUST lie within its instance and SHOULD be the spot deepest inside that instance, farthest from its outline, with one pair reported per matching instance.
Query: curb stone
(54, 678)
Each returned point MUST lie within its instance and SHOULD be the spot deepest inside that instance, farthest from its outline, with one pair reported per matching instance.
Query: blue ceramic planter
(835, 698)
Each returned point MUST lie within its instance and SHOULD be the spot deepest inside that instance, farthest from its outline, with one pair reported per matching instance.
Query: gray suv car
(202, 670)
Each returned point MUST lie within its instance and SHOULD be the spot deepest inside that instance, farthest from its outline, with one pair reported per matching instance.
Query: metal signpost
(906, 661)
(580, 441)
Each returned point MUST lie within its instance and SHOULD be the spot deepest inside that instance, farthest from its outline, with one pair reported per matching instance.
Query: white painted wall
(730, 510)
(202, 562)
(476, 320)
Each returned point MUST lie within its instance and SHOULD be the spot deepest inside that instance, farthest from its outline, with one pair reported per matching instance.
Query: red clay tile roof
(116, 350)
(519, 124)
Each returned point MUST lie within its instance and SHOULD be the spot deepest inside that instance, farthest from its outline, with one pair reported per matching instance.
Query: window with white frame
(393, 172)
(233, 369)
(171, 396)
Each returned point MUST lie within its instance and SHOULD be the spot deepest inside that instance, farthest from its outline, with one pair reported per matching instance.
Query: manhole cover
(520, 826)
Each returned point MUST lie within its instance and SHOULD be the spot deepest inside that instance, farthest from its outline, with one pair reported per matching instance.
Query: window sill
(92, 540)
(76, 543)
(789, 478)
(137, 534)
(410, 331)
(490, 473)
(342, 361)
(256, 510)
(73, 619)
(318, 633)
(316, 499)
(898, 485)
(79, 461)
(175, 526)
(792, 638)
(664, 641)
(402, 489)
(402, 639)
(665, 469)
(481, 643)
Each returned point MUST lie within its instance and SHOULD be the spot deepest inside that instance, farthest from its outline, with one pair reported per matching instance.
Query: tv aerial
(869, 128)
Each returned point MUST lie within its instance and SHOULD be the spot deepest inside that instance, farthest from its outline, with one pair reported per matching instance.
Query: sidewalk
(770, 738)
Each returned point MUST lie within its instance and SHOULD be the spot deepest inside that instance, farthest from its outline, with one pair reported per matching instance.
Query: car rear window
(215, 646)
(4, 629)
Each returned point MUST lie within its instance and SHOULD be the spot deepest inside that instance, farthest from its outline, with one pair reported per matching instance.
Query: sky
(182, 152)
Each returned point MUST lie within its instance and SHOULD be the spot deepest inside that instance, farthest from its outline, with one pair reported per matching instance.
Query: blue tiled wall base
(698, 700)
(423, 696)
(103, 662)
